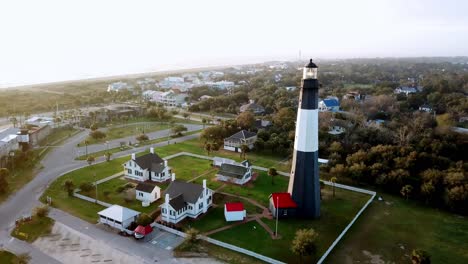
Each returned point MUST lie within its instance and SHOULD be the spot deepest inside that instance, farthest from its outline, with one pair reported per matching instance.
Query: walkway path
(230, 226)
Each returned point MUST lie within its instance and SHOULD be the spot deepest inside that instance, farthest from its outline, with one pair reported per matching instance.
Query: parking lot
(165, 240)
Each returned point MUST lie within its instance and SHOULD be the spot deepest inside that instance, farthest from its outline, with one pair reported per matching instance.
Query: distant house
(282, 204)
(117, 216)
(237, 173)
(37, 133)
(217, 161)
(119, 86)
(291, 88)
(234, 212)
(252, 107)
(405, 90)
(353, 95)
(425, 108)
(147, 193)
(205, 97)
(11, 139)
(243, 137)
(329, 104)
(185, 199)
(147, 167)
(262, 124)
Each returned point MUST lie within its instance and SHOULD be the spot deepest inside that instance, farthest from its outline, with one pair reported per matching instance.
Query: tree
(144, 219)
(304, 243)
(108, 156)
(4, 174)
(142, 137)
(41, 211)
(285, 119)
(244, 148)
(177, 130)
(94, 127)
(204, 122)
(333, 181)
(208, 148)
(90, 160)
(406, 191)
(245, 120)
(97, 134)
(69, 186)
(86, 142)
(420, 257)
(272, 173)
(192, 235)
(186, 115)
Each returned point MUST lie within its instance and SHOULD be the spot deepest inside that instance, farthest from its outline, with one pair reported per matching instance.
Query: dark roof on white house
(150, 162)
(232, 170)
(243, 134)
(145, 187)
(189, 191)
(178, 202)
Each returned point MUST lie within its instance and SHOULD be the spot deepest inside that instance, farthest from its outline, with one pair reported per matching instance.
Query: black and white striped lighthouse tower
(304, 183)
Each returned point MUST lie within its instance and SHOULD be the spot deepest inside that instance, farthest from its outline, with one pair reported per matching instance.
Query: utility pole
(95, 184)
(277, 214)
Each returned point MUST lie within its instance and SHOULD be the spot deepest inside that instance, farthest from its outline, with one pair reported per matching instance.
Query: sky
(47, 41)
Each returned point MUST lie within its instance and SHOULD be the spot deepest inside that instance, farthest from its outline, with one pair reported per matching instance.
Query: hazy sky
(43, 41)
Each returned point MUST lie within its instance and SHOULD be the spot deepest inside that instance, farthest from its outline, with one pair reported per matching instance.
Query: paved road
(79, 151)
(57, 162)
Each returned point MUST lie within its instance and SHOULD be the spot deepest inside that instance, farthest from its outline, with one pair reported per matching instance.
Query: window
(200, 206)
(140, 194)
(163, 211)
(129, 171)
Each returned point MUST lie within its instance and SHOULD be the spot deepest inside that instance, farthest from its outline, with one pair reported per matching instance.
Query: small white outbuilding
(147, 193)
(117, 216)
(234, 212)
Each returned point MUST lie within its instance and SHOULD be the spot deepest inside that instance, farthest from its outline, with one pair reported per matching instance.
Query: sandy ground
(69, 246)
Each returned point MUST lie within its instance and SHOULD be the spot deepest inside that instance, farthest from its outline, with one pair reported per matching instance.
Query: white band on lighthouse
(307, 122)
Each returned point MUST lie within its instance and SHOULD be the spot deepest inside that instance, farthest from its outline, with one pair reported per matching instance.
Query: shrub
(120, 189)
(144, 220)
(41, 211)
(97, 134)
(142, 137)
(192, 235)
(86, 187)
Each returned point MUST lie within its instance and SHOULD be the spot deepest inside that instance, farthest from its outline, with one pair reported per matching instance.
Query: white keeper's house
(243, 137)
(147, 167)
(185, 199)
(147, 193)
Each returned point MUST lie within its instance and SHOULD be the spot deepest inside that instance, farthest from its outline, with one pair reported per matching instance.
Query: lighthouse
(304, 183)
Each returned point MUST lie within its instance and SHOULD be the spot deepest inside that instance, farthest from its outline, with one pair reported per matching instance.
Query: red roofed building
(283, 204)
(234, 212)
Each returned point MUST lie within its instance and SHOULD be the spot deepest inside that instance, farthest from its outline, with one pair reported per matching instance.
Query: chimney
(173, 176)
(205, 193)
(167, 198)
(204, 184)
(165, 163)
(133, 156)
(152, 150)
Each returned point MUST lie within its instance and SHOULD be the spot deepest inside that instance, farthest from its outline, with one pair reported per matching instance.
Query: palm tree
(333, 180)
(204, 122)
(90, 160)
(108, 156)
(69, 186)
(272, 172)
(244, 148)
(406, 191)
(86, 142)
(208, 148)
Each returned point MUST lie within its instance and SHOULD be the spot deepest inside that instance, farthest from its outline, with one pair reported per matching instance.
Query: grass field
(8, 257)
(121, 131)
(58, 135)
(32, 230)
(187, 168)
(391, 229)
(336, 213)
(115, 197)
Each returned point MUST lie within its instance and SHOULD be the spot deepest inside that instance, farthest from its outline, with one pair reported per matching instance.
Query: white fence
(221, 244)
(89, 199)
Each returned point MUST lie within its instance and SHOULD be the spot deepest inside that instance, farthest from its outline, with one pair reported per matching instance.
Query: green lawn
(119, 131)
(8, 257)
(115, 197)
(210, 178)
(260, 189)
(336, 213)
(32, 230)
(187, 168)
(392, 228)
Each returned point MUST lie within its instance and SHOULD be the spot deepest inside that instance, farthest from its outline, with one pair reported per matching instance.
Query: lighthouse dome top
(310, 71)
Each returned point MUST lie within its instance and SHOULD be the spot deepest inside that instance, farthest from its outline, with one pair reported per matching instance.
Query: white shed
(234, 212)
(147, 193)
(217, 161)
(118, 216)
